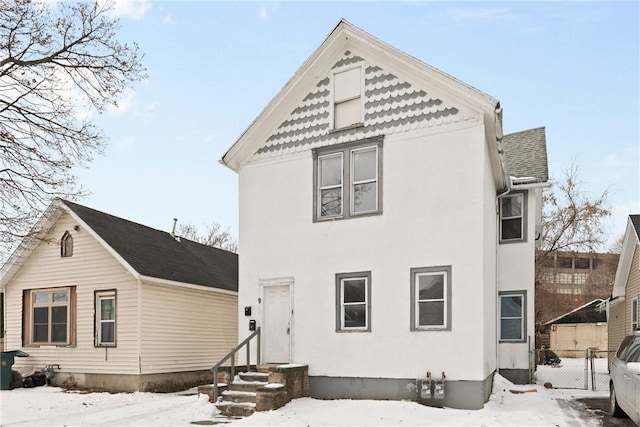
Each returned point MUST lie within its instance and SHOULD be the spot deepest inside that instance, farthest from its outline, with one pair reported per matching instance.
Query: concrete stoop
(263, 391)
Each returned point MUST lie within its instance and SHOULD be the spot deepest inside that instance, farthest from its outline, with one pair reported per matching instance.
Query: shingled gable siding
(185, 329)
(91, 268)
(391, 106)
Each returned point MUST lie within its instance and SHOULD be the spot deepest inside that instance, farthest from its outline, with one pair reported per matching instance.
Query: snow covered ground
(51, 406)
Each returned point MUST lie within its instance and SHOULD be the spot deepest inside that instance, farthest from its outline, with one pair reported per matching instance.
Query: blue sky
(213, 66)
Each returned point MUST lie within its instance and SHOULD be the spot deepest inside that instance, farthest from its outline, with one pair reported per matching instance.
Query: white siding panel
(186, 329)
(91, 268)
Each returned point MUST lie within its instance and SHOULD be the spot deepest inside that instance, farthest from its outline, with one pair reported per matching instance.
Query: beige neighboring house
(624, 311)
(117, 305)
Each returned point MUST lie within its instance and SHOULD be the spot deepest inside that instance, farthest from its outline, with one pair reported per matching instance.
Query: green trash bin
(6, 363)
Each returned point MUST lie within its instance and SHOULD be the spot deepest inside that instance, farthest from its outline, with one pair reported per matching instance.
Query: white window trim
(353, 182)
(330, 187)
(50, 304)
(415, 309)
(340, 279)
(332, 107)
(523, 223)
(523, 317)
(99, 296)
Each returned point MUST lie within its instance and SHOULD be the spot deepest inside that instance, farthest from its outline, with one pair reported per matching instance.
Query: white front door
(276, 329)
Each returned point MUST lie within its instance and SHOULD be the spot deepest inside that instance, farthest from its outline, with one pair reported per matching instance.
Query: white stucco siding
(434, 214)
(517, 273)
(185, 329)
(490, 255)
(90, 269)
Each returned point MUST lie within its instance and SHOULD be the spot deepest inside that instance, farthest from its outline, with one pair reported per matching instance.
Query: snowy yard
(51, 406)
(571, 373)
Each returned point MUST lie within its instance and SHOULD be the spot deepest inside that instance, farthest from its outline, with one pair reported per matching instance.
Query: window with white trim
(105, 317)
(353, 300)
(347, 87)
(635, 314)
(348, 180)
(431, 298)
(512, 309)
(49, 316)
(512, 217)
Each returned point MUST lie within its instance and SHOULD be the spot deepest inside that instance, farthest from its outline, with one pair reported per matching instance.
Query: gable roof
(635, 221)
(587, 313)
(525, 154)
(153, 253)
(348, 38)
(629, 243)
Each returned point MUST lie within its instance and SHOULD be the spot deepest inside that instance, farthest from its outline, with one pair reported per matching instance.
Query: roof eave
(467, 97)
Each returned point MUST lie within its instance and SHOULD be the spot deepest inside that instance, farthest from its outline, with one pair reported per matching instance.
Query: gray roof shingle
(635, 220)
(525, 154)
(157, 254)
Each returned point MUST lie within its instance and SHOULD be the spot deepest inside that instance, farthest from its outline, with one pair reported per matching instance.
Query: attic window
(347, 86)
(66, 245)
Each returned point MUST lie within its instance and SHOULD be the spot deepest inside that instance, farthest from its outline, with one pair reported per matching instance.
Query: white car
(624, 386)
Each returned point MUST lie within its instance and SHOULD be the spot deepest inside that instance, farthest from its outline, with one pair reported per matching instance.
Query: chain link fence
(572, 369)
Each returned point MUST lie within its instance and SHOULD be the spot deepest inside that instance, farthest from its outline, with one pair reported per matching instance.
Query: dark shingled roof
(525, 154)
(587, 313)
(157, 254)
(635, 220)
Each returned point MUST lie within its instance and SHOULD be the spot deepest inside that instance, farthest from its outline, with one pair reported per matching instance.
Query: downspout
(507, 189)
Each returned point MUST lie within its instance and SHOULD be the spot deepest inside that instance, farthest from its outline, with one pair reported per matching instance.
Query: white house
(387, 227)
(116, 305)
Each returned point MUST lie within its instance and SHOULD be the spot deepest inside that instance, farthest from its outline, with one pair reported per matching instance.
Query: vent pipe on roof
(173, 231)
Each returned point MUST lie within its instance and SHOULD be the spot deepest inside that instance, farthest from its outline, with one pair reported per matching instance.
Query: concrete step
(236, 409)
(240, 385)
(239, 396)
(208, 390)
(254, 376)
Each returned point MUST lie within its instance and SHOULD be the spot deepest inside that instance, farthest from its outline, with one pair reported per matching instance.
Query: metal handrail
(232, 355)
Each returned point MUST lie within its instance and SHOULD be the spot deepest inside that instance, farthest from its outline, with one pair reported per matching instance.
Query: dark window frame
(339, 280)
(66, 245)
(346, 150)
(523, 224)
(523, 317)
(414, 311)
(98, 296)
(29, 305)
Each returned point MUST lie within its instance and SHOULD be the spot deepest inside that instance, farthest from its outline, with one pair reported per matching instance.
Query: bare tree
(57, 61)
(571, 223)
(213, 236)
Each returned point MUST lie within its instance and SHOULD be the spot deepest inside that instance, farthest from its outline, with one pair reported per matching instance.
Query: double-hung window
(512, 217)
(50, 316)
(512, 308)
(348, 180)
(431, 298)
(105, 315)
(353, 301)
(347, 86)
